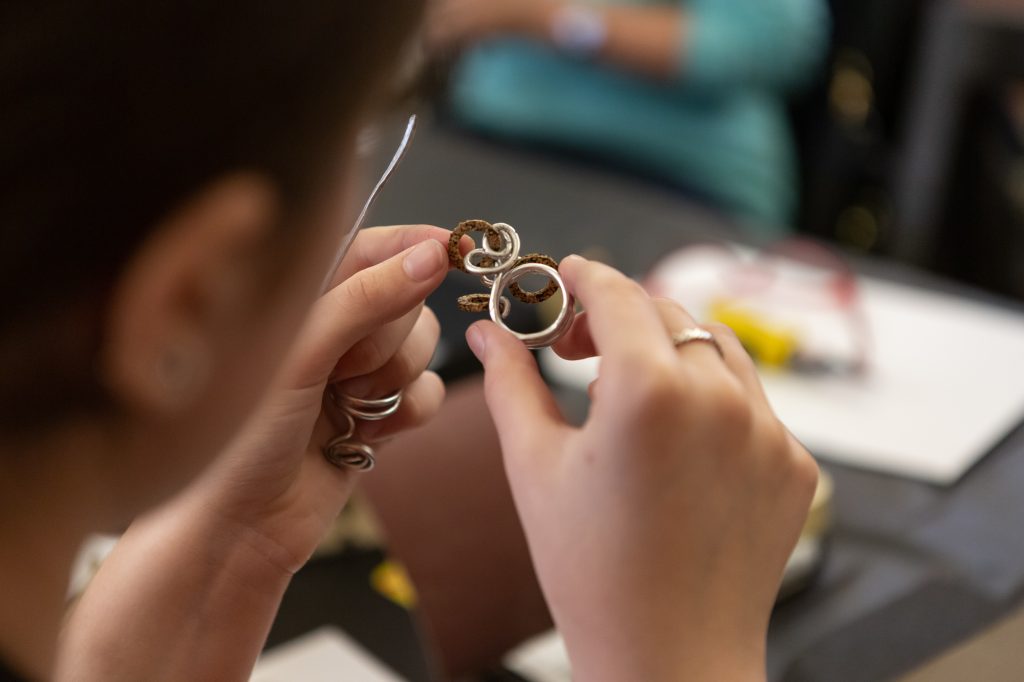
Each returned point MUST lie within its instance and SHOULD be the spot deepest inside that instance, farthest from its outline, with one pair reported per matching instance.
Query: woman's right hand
(660, 529)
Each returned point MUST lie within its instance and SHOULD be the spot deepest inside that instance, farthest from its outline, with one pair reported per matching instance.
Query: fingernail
(424, 261)
(573, 258)
(475, 339)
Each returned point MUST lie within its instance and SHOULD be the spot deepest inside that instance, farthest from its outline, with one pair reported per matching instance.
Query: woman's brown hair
(112, 112)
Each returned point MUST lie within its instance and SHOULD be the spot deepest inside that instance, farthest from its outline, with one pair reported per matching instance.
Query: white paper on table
(93, 552)
(324, 655)
(946, 384)
(543, 658)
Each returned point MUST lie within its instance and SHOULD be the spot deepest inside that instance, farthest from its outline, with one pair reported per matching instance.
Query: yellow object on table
(768, 343)
(391, 580)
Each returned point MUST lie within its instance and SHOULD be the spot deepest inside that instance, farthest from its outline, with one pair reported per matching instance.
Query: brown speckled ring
(476, 303)
(463, 228)
(540, 295)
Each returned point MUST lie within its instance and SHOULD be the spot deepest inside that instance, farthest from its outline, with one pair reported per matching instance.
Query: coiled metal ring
(557, 329)
(370, 410)
(343, 451)
(350, 454)
(499, 265)
(489, 260)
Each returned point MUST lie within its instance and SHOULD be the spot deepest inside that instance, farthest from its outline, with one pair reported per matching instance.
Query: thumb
(524, 411)
(363, 303)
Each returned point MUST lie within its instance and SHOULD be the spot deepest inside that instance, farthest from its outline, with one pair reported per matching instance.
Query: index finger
(621, 317)
(376, 244)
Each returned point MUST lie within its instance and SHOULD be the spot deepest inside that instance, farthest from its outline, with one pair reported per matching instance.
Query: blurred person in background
(691, 92)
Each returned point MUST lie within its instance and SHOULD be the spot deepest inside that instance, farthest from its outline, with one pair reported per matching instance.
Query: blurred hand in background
(690, 93)
(456, 23)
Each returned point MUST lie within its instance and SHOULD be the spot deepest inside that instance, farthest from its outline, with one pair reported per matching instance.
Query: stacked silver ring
(555, 330)
(343, 450)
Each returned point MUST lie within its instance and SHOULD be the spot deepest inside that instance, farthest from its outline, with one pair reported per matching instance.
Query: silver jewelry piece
(504, 273)
(368, 410)
(350, 427)
(344, 452)
(503, 256)
(557, 329)
(697, 334)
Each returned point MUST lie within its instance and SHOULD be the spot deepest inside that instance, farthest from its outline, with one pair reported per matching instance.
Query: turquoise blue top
(720, 128)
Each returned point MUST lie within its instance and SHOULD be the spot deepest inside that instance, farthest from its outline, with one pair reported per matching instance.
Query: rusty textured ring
(464, 228)
(481, 303)
(552, 332)
(475, 303)
(540, 295)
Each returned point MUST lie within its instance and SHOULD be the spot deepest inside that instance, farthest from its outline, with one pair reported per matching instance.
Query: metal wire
(552, 332)
(396, 160)
(498, 264)
(343, 450)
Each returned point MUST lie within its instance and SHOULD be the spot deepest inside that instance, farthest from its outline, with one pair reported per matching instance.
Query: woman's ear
(181, 292)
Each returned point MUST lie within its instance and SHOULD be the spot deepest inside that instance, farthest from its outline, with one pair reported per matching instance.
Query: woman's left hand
(370, 334)
(194, 585)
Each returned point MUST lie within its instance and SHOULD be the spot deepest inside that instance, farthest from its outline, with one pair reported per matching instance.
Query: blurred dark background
(912, 143)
